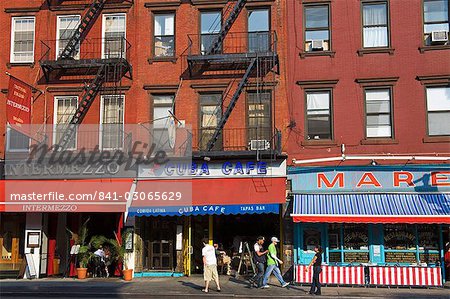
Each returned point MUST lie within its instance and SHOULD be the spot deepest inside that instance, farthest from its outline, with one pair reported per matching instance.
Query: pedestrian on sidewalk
(316, 262)
(209, 265)
(272, 265)
(259, 258)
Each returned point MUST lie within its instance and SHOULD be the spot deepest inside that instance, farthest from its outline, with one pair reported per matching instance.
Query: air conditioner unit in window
(259, 145)
(317, 44)
(439, 36)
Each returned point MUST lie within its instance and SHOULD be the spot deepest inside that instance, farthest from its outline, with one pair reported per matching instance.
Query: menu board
(356, 257)
(429, 258)
(334, 257)
(401, 257)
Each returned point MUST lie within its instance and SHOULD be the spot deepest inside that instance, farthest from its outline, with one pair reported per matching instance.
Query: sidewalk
(190, 288)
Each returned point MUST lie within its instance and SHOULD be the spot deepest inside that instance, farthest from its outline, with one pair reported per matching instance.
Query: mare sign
(370, 179)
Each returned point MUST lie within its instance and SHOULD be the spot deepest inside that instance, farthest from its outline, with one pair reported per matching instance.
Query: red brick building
(368, 92)
(218, 66)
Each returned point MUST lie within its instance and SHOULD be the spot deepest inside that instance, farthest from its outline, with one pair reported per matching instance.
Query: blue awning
(205, 210)
(372, 208)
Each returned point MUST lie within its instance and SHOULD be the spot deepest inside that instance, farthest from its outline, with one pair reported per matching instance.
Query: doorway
(12, 234)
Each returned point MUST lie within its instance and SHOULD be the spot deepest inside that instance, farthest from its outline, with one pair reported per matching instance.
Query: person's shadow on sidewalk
(191, 285)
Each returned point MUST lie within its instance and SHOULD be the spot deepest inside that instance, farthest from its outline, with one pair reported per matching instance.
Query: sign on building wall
(370, 179)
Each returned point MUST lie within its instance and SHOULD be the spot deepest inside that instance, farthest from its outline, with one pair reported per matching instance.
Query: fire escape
(92, 62)
(244, 58)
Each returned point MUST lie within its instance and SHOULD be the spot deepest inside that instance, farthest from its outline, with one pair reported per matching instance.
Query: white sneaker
(285, 284)
(265, 287)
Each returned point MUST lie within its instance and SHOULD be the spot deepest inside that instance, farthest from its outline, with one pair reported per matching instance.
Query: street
(190, 288)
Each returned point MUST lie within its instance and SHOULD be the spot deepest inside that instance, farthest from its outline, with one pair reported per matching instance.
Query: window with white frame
(67, 26)
(317, 27)
(112, 121)
(435, 20)
(164, 35)
(318, 115)
(375, 25)
(22, 39)
(16, 141)
(65, 107)
(378, 113)
(114, 34)
(438, 108)
(162, 104)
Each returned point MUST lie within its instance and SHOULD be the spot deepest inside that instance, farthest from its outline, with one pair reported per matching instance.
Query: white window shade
(438, 99)
(318, 101)
(164, 25)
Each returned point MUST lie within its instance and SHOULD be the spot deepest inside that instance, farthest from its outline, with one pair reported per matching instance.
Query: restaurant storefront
(233, 202)
(379, 225)
(37, 214)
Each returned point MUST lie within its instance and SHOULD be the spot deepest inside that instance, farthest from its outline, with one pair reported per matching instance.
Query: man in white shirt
(209, 265)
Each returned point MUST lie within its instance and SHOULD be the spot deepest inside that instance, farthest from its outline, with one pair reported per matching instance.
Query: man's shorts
(210, 272)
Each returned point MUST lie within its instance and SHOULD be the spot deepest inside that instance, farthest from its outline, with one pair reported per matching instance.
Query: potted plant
(120, 253)
(84, 255)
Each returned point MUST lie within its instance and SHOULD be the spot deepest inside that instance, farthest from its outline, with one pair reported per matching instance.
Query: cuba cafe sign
(379, 179)
(204, 169)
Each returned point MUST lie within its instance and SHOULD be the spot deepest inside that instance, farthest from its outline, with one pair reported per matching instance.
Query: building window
(259, 116)
(16, 141)
(66, 28)
(378, 113)
(65, 108)
(435, 19)
(162, 104)
(22, 39)
(317, 28)
(318, 115)
(210, 115)
(438, 107)
(259, 30)
(114, 34)
(164, 35)
(210, 25)
(111, 121)
(375, 25)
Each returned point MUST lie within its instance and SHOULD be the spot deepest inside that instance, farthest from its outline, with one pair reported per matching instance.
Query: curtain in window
(378, 109)
(375, 26)
(318, 115)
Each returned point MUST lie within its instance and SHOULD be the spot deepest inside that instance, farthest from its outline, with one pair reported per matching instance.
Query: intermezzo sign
(18, 103)
(385, 179)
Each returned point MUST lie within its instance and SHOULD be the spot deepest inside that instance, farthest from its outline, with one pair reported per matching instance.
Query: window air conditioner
(259, 145)
(439, 36)
(317, 44)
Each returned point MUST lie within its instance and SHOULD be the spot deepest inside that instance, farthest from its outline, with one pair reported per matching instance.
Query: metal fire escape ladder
(87, 99)
(230, 107)
(217, 44)
(82, 29)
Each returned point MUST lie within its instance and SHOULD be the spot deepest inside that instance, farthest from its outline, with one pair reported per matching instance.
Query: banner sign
(370, 179)
(18, 103)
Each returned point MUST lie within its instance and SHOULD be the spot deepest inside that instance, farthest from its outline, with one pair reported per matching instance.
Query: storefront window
(348, 243)
(428, 243)
(400, 243)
